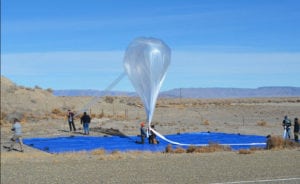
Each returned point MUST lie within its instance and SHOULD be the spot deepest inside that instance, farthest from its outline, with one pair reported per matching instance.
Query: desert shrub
(37, 87)
(29, 89)
(191, 149)
(212, 147)
(3, 115)
(206, 122)
(56, 111)
(131, 104)
(98, 152)
(291, 144)
(109, 99)
(101, 115)
(179, 150)
(109, 116)
(4, 122)
(261, 123)
(120, 117)
(33, 101)
(169, 149)
(277, 142)
(245, 151)
(49, 90)
(256, 149)
(114, 152)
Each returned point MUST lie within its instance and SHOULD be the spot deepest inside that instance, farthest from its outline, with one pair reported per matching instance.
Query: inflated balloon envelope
(146, 61)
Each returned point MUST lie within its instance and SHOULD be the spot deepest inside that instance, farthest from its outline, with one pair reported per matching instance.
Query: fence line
(164, 116)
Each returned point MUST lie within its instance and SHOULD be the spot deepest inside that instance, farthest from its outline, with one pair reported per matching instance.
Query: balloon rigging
(146, 62)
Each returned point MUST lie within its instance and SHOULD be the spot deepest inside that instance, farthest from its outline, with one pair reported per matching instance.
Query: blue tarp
(123, 144)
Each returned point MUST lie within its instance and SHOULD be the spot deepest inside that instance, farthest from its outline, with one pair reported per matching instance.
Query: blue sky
(80, 44)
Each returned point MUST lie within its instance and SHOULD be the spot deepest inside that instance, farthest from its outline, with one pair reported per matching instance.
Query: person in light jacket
(17, 135)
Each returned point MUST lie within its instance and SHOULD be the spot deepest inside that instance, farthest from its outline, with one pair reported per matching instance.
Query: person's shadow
(73, 132)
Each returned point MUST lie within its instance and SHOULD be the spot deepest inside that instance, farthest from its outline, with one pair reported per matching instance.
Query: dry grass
(261, 123)
(179, 150)
(277, 142)
(57, 113)
(245, 151)
(169, 149)
(98, 152)
(206, 122)
(256, 149)
(212, 147)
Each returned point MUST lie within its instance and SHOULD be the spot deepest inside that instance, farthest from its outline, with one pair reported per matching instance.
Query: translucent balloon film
(146, 61)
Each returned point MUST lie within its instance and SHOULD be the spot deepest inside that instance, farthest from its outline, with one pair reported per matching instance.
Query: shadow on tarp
(128, 143)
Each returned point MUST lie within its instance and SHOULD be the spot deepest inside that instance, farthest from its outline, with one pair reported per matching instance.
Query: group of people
(85, 120)
(148, 133)
(145, 132)
(287, 123)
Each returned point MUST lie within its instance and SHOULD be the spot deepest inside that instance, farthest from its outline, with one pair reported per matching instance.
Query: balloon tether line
(95, 99)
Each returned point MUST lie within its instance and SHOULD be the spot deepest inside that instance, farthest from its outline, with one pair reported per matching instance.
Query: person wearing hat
(296, 129)
(70, 116)
(17, 137)
(143, 133)
(286, 123)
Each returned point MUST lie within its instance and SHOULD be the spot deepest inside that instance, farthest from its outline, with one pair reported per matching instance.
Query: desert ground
(44, 115)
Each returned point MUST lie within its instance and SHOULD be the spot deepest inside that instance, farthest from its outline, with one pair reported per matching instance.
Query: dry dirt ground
(43, 115)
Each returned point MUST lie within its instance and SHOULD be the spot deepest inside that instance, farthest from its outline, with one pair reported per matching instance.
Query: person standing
(296, 129)
(17, 136)
(85, 120)
(286, 123)
(70, 116)
(143, 133)
(152, 137)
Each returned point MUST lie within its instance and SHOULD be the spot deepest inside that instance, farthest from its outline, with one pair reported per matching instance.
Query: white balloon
(146, 61)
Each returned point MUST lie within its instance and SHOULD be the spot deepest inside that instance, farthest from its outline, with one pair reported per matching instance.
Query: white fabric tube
(229, 144)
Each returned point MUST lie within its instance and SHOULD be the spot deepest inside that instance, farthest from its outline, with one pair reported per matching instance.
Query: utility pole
(180, 94)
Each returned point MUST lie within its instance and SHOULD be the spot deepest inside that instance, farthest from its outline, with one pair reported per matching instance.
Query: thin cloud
(95, 70)
(56, 62)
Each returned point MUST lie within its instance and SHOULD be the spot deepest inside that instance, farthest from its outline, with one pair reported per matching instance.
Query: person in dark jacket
(152, 136)
(85, 120)
(143, 133)
(70, 116)
(296, 129)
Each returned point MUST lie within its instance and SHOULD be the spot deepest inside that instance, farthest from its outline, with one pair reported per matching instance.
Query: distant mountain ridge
(90, 92)
(285, 91)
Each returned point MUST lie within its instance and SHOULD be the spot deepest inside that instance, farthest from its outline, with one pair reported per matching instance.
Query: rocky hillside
(34, 104)
(18, 101)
